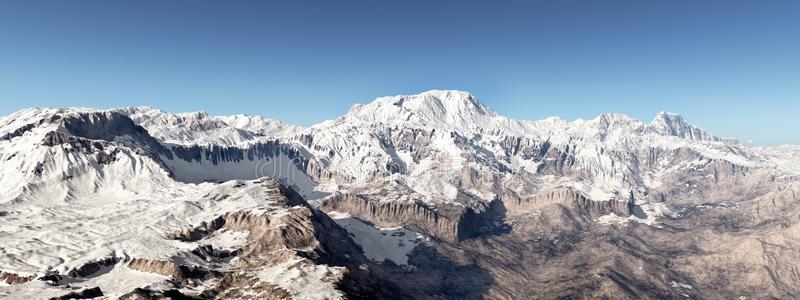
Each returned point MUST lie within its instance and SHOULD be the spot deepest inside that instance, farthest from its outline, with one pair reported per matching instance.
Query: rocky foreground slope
(425, 196)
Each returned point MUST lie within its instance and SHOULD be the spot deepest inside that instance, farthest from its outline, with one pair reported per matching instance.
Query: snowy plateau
(428, 196)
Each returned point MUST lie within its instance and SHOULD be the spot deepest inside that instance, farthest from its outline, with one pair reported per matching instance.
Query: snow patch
(225, 239)
(379, 244)
(651, 211)
(682, 285)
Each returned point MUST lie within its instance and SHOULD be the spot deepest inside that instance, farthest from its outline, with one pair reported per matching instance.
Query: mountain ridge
(445, 106)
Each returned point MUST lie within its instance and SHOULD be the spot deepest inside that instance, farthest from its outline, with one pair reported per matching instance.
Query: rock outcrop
(111, 126)
(568, 198)
(11, 278)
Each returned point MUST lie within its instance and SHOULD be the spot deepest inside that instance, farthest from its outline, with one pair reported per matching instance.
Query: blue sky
(732, 67)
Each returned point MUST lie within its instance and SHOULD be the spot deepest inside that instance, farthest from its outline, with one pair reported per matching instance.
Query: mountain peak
(669, 118)
(443, 107)
(615, 118)
(668, 123)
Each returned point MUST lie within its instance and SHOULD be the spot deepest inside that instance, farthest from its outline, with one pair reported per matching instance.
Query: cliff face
(568, 198)
(456, 222)
(221, 154)
(414, 215)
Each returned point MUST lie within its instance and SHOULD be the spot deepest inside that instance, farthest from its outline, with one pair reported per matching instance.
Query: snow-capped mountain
(198, 128)
(456, 133)
(182, 202)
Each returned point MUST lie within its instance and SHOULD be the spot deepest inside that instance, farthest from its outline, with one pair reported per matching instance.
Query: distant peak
(668, 123)
(664, 115)
(443, 107)
(669, 119)
(448, 94)
(614, 118)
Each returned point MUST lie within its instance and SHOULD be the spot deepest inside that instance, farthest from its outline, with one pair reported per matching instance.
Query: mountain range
(428, 196)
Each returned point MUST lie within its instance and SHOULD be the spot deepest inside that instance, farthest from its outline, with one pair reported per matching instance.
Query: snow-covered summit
(673, 124)
(456, 109)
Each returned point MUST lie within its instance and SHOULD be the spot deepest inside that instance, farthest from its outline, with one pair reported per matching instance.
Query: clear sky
(732, 67)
